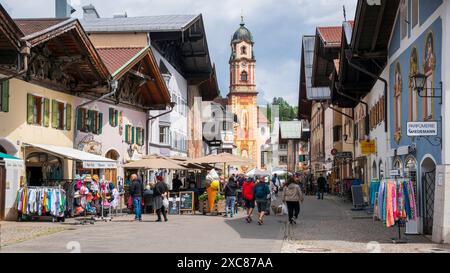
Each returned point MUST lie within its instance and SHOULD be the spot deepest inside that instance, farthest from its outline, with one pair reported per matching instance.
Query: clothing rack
(406, 204)
(55, 218)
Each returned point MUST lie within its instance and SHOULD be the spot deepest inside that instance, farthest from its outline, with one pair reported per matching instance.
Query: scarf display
(396, 201)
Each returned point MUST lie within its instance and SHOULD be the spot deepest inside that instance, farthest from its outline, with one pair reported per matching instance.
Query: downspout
(150, 118)
(25, 54)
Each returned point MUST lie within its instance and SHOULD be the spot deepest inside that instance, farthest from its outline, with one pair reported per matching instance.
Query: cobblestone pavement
(13, 232)
(330, 226)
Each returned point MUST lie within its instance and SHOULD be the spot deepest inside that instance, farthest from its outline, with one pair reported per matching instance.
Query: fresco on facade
(429, 66)
(398, 102)
(413, 97)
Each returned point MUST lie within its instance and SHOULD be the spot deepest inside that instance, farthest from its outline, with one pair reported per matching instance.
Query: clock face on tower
(244, 64)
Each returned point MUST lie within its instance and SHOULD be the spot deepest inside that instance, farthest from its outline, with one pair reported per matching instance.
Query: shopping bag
(165, 202)
(284, 209)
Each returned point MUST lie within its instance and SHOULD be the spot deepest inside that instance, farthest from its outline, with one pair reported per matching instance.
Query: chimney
(120, 15)
(89, 12)
(63, 9)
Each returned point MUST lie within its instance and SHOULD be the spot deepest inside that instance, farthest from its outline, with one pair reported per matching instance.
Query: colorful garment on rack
(373, 191)
(396, 201)
(41, 201)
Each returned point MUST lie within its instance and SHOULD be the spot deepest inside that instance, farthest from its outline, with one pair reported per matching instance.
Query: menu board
(187, 201)
(174, 204)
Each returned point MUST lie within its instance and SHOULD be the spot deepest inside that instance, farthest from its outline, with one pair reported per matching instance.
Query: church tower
(243, 94)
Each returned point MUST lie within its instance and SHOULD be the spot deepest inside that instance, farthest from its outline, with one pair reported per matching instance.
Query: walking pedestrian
(230, 194)
(249, 199)
(137, 192)
(159, 194)
(261, 190)
(292, 196)
(176, 183)
(321, 186)
(276, 183)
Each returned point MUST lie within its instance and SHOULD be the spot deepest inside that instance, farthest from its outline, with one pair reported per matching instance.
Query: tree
(287, 112)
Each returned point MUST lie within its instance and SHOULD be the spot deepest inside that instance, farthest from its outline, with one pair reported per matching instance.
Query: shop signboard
(344, 155)
(174, 204)
(418, 129)
(187, 201)
(368, 147)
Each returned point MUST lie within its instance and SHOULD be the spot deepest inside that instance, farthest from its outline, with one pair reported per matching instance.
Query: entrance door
(428, 182)
(111, 174)
(2, 191)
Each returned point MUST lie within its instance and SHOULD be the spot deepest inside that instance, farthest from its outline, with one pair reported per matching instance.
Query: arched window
(413, 97)
(244, 76)
(381, 170)
(243, 50)
(398, 85)
(429, 66)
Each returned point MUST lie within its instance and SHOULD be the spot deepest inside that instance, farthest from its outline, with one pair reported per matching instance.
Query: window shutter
(68, 117)
(111, 118)
(132, 135)
(55, 111)
(100, 123)
(143, 137)
(116, 118)
(46, 112)
(5, 96)
(127, 140)
(91, 121)
(30, 109)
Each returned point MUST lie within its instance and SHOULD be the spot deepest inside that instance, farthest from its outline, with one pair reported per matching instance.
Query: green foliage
(287, 112)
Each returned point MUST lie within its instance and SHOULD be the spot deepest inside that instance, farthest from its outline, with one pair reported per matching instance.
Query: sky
(277, 27)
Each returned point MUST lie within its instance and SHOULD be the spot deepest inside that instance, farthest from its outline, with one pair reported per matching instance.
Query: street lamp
(419, 81)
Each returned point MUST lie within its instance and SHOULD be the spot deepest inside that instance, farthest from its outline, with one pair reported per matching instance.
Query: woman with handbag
(160, 201)
(292, 197)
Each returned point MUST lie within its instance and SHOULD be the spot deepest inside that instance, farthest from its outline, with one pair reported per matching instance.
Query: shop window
(38, 110)
(113, 117)
(283, 147)
(4, 96)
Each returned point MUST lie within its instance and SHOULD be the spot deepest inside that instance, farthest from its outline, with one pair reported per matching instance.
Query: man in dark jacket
(137, 192)
(159, 194)
(321, 186)
(230, 194)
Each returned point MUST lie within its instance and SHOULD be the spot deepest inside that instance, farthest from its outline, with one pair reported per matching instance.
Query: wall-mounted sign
(368, 147)
(422, 129)
(394, 173)
(344, 155)
(334, 152)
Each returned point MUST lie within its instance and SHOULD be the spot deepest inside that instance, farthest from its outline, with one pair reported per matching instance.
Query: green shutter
(132, 135)
(46, 112)
(91, 121)
(111, 117)
(79, 119)
(55, 111)
(30, 109)
(127, 140)
(100, 123)
(5, 97)
(116, 118)
(143, 137)
(68, 117)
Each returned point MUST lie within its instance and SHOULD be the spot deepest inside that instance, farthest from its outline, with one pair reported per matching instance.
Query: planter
(203, 206)
(220, 206)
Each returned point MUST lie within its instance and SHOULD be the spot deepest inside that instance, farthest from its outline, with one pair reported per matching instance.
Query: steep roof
(262, 117)
(331, 35)
(140, 24)
(30, 26)
(115, 58)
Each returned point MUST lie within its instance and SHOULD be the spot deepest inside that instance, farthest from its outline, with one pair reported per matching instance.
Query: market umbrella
(223, 158)
(257, 172)
(154, 163)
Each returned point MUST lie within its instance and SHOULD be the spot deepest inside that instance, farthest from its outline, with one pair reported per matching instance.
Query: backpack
(260, 191)
(247, 191)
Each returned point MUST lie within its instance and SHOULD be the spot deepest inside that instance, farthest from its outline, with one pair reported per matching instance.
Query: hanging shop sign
(99, 165)
(344, 155)
(368, 147)
(415, 129)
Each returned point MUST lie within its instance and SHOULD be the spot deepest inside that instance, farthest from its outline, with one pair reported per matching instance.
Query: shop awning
(90, 161)
(6, 156)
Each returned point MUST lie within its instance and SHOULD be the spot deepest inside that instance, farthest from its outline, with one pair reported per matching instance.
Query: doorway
(111, 174)
(428, 186)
